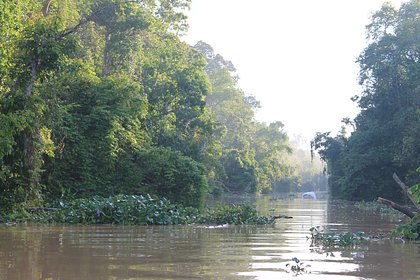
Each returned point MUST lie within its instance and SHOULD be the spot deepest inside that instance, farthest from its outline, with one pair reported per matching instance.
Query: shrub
(410, 231)
(167, 173)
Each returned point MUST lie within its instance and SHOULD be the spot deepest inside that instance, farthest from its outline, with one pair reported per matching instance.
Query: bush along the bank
(410, 230)
(146, 210)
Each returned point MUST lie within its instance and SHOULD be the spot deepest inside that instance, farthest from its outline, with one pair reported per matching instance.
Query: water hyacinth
(147, 210)
(241, 214)
(122, 209)
(330, 239)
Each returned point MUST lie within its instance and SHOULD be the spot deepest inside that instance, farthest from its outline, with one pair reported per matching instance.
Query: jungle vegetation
(385, 134)
(104, 98)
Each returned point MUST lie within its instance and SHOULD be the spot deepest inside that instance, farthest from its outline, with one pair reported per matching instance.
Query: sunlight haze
(296, 57)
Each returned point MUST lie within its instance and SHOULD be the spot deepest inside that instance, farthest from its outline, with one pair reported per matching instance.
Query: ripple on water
(205, 252)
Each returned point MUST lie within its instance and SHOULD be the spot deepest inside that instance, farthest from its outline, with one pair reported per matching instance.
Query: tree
(76, 97)
(383, 142)
(252, 154)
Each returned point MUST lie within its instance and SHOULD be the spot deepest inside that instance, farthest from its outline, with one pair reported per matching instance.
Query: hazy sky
(297, 57)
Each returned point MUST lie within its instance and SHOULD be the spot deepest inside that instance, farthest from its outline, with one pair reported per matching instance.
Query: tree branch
(73, 29)
(405, 188)
(34, 72)
(281, 217)
(396, 206)
(46, 7)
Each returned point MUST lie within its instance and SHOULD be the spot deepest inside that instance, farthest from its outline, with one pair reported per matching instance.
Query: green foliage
(99, 128)
(142, 210)
(176, 85)
(240, 214)
(240, 172)
(121, 209)
(330, 239)
(410, 230)
(308, 169)
(168, 173)
(330, 150)
(16, 215)
(415, 189)
(104, 98)
(286, 185)
(80, 103)
(386, 129)
(247, 156)
(378, 208)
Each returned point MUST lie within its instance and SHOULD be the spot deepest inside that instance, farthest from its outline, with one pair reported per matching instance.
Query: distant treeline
(386, 133)
(103, 98)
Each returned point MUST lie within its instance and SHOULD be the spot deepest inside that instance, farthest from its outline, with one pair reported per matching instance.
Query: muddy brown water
(210, 252)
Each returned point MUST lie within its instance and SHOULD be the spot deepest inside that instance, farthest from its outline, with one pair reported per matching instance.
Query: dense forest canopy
(387, 129)
(103, 97)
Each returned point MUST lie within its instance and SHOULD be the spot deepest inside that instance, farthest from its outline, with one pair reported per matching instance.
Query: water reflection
(203, 252)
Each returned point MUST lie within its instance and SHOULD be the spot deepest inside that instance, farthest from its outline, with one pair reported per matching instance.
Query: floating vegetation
(331, 239)
(376, 207)
(120, 209)
(240, 214)
(146, 210)
(297, 267)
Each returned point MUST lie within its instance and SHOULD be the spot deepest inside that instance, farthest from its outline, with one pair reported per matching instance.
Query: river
(210, 252)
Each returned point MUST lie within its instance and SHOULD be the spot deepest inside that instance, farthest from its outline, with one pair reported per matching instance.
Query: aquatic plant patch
(143, 210)
(320, 236)
(376, 207)
(297, 267)
(121, 209)
(239, 214)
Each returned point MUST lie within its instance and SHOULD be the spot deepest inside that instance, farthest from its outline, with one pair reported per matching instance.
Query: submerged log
(281, 217)
(396, 206)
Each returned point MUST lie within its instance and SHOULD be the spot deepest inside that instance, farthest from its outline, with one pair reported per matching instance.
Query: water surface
(210, 252)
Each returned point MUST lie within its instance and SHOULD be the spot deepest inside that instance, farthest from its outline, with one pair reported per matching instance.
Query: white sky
(297, 57)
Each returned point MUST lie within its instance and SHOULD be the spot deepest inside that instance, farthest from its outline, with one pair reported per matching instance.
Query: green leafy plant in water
(410, 231)
(330, 239)
(121, 209)
(376, 207)
(297, 267)
(142, 210)
(236, 214)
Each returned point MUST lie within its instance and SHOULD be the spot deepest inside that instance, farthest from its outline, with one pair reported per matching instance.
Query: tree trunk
(396, 206)
(33, 164)
(405, 188)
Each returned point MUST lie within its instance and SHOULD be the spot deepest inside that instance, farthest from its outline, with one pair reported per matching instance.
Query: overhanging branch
(405, 188)
(396, 206)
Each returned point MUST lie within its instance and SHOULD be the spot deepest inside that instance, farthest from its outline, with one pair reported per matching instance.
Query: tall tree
(252, 154)
(388, 124)
(76, 99)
